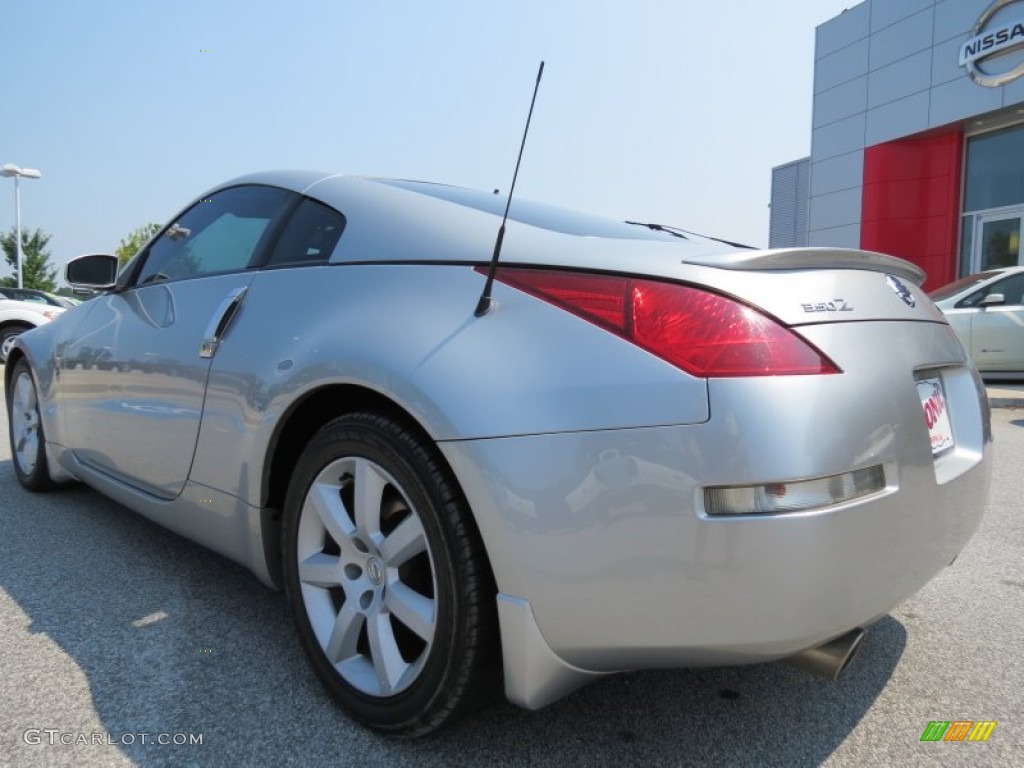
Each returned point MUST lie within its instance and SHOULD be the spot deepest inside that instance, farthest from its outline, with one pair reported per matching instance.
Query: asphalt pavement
(111, 628)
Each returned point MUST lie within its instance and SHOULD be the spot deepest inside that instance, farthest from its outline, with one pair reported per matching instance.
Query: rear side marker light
(703, 333)
(778, 498)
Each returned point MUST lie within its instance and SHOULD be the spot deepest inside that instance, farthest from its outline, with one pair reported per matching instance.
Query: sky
(670, 111)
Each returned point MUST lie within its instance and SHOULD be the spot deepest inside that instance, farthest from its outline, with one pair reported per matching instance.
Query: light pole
(29, 173)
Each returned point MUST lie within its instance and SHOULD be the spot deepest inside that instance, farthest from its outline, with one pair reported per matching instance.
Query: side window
(1011, 287)
(973, 299)
(26, 296)
(220, 234)
(309, 236)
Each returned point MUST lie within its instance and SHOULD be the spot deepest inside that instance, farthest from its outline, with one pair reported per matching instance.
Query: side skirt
(216, 520)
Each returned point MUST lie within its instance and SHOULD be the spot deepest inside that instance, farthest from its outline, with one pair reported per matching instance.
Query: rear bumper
(634, 576)
(603, 537)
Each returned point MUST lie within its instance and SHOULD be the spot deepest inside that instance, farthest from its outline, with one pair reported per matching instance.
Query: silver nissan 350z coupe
(653, 449)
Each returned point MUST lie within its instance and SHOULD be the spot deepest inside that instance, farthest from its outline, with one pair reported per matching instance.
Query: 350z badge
(835, 305)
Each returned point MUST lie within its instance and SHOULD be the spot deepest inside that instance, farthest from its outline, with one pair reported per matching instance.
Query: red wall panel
(911, 202)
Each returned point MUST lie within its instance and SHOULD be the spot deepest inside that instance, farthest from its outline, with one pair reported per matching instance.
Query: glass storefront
(993, 201)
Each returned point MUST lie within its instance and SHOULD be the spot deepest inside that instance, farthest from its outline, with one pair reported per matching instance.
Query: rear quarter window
(309, 237)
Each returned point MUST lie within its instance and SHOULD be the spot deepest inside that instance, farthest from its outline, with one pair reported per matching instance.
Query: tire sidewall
(358, 436)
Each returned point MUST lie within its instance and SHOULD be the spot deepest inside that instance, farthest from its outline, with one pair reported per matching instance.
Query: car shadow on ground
(173, 638)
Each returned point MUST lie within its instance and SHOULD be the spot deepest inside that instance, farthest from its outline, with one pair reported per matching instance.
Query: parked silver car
(986, 310)
(652, 450)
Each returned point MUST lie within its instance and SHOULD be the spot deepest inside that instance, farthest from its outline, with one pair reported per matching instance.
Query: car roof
(400, 219)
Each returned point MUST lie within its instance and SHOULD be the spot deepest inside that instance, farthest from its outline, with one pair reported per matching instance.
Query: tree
(35, 260)
(130, 245)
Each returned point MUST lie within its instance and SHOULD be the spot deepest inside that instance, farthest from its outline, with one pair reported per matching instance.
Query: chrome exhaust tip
(829, 659)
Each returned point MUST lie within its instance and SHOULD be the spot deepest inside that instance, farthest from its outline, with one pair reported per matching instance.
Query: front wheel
(387, 577)
(25, 428)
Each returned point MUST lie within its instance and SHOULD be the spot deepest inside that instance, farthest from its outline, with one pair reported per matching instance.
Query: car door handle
(220, 321)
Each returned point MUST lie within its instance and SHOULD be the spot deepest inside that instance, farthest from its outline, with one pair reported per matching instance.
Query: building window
(995, 170)
(993, 201)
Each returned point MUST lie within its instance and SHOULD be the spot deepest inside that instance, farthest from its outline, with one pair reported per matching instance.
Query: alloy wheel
(367, 577)
(25, 423)
(6, 345)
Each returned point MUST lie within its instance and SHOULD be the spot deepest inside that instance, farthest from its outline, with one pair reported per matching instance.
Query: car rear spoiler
(814, 258)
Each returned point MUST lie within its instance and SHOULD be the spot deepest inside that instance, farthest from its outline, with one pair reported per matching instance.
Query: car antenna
(484, 305)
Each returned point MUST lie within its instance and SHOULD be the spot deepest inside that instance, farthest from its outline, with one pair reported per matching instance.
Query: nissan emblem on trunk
(901, 290)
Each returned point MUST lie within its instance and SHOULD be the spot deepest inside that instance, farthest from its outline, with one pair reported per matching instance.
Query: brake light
(703, 333)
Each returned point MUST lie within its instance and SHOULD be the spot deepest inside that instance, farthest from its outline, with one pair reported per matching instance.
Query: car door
(134, 377)
(280, 313)
(997, 331)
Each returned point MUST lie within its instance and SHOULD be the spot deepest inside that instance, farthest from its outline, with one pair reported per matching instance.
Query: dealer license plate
(936, 414)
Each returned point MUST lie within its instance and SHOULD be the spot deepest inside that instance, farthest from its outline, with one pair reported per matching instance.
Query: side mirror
(992, 300)
(97, 271)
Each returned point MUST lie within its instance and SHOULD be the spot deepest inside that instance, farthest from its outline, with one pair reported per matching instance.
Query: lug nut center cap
(375, 570)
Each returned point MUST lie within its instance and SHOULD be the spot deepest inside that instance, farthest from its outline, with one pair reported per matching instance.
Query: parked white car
(987, 312)
(38, 297)
(16, 317)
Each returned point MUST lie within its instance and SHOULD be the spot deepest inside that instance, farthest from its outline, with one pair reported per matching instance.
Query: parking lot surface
(111, 628)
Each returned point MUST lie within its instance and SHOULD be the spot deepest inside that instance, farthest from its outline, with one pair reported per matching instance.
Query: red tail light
(703, 333)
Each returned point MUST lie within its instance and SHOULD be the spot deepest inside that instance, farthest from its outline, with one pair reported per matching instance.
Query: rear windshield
(562, 220)
(952, 289)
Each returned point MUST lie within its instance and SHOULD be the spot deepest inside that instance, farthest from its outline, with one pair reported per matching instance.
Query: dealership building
(917, 142)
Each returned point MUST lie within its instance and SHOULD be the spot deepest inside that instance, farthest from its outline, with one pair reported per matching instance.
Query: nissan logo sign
(989, 41)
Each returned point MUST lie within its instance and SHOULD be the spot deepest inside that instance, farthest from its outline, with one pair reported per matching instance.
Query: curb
(1006, 402)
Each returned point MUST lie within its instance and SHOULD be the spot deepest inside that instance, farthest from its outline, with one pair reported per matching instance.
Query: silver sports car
(650, 449)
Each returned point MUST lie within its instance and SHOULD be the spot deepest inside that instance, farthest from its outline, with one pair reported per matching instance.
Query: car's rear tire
(25, 429)
(383, 565)
(7, 337)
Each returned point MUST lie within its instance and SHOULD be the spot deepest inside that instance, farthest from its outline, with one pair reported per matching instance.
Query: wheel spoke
(320, 570)
(414, 610)
(326, 500)
(344, 635)
(406, 541)
(369, 493)
(26, 393)
(26, 451)
(387, 660)
(25, 423)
